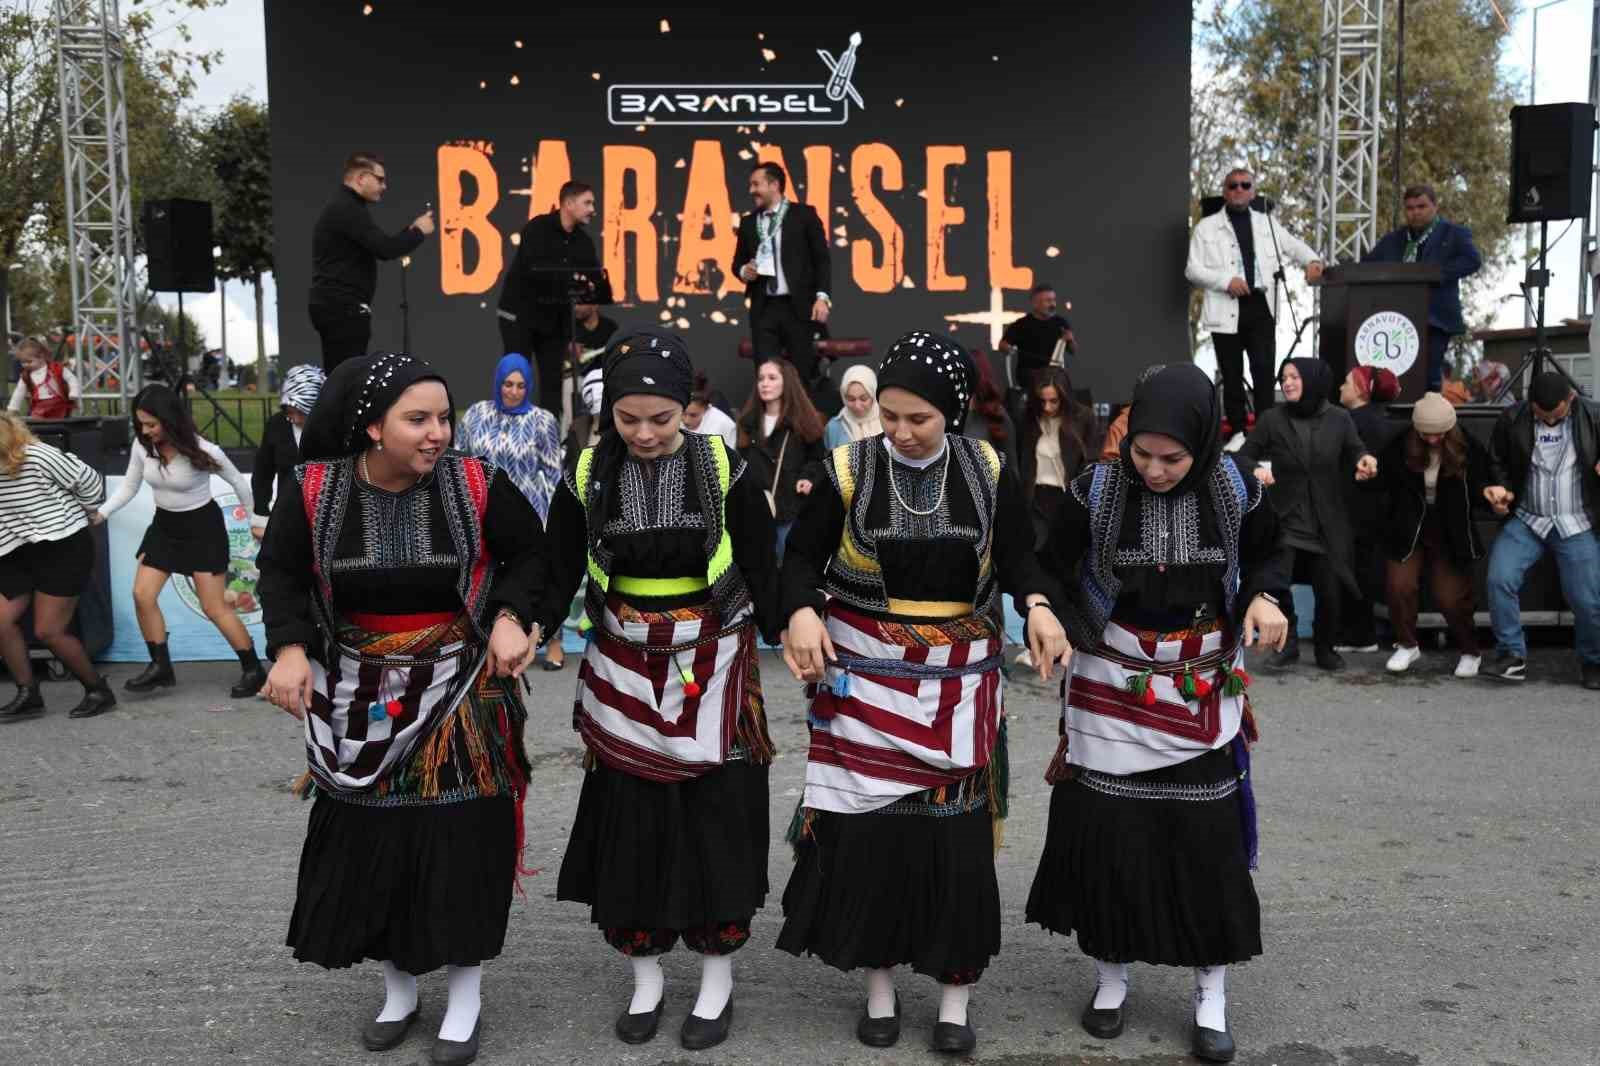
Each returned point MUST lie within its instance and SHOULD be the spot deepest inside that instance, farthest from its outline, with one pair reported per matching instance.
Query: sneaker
(1506, 667)
(1467, 665)
(1402, 659)
(1346, 649)
(1590, 677)
(1025, 659)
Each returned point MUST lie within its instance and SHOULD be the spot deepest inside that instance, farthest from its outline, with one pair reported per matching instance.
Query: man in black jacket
(1545, 460)
(530, 323)
(782, 257)
(345, 248)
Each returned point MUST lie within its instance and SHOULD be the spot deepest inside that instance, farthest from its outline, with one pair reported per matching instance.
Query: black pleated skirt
(422, 886)
(187, 542)
(1162, 881)
(658, 856)
(879, 890)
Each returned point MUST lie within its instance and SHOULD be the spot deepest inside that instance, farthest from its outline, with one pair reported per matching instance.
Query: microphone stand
(405, 306)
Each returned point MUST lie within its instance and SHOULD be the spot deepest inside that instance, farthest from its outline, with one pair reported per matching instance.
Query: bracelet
(1269, 597)
(510, 612)
(1041, 603)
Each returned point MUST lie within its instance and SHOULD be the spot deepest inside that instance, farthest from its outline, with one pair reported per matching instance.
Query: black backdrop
(1089, 101)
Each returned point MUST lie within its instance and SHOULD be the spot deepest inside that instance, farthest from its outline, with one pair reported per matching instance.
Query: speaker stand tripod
(1538, 358)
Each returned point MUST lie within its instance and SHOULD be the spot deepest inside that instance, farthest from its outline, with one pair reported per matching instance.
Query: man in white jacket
(1233, 257)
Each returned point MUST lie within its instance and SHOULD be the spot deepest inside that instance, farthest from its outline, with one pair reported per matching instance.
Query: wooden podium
(1377, 314)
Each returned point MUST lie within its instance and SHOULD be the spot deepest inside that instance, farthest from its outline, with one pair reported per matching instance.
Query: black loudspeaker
(1552, 156)
(177, 237)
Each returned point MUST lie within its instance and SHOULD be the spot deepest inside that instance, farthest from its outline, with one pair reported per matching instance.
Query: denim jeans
(783, 538)
(1578, 561)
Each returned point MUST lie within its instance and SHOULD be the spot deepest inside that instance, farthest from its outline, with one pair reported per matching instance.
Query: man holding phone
(345, 248)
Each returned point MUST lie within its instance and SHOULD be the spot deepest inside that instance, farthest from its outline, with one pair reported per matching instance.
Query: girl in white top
(46, 556)
(188, 535)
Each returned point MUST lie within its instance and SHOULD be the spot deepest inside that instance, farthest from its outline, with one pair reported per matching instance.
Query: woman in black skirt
(904, 547)
(46, 556)
(397, 579)
(670, 839)
(1171, 566)
(188, 535)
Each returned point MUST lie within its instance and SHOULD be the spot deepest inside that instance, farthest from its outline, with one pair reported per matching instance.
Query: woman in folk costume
(1171, 566)
(279, 452)
(670, 838)
(903, 548)
(397, 579)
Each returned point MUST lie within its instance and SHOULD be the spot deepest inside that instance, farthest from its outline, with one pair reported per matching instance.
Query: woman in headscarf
(892, 570)
(1311, 447)
(398, 580)
(523, 440)
(1366, 393)
(670, 838)
(858, 418)
(279, 452)
(1170, 564)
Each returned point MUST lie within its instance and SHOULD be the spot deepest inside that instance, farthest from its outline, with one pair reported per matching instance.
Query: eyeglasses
(381, 179)
(1239, 184)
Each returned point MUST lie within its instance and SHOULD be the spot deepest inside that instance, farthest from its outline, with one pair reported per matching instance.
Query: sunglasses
(1239, 184)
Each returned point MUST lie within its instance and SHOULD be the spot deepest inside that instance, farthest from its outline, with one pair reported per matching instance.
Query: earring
(378, 445)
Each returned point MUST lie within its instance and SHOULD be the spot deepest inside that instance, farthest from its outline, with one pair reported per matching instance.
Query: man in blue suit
(1427, 238)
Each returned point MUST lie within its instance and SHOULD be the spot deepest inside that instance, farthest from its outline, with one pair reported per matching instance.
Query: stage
(983, 156)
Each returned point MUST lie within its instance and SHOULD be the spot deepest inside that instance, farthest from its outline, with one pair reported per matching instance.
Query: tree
(238, 147)
(161, 143)
(1457, 105)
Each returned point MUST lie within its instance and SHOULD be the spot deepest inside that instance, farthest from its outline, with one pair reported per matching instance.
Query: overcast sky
(236, 29)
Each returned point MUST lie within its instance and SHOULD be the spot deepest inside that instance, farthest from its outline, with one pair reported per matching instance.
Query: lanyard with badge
(767, 227)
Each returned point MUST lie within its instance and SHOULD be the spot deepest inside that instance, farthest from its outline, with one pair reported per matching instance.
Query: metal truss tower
(1347, 128)
(94, 155)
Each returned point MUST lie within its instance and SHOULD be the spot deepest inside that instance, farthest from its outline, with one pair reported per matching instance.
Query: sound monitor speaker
(177, 235)
(1552, 160)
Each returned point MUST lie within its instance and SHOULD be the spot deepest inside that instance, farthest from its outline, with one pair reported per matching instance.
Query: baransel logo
(825, 104)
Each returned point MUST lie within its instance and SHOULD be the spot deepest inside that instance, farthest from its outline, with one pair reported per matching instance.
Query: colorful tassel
(375, 712)
(393, 708)
(691, 687)
(1187, 685)
(1202, 688)
(1139, 687)
(1149, 697)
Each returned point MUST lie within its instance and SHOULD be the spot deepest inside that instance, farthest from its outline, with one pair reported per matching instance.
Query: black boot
(1329, 659)
(96, 700)
(158, 674)
(27, 703)
(1289, 655)
(249, 683)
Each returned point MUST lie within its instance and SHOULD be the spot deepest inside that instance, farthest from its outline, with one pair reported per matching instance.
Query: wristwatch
(1269, 597)
(825, 298)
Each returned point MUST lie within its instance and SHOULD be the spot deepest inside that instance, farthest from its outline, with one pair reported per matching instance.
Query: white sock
(953, 1003)
(1111, 984)
(648, 983)
(880, 993)
(716, 986)
(400, 994)
(461, 1016)
(1210, 999)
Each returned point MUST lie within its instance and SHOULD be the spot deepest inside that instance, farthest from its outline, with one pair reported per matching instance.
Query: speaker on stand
(1552, 146)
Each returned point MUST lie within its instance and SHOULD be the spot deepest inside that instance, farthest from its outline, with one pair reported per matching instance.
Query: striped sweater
(46, 498)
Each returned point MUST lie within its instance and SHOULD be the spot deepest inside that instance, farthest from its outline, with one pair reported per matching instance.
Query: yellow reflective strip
(658, 586)
(929, 608)
(580, 478)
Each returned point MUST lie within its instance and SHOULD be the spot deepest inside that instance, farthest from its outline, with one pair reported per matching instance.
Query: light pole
(1533, 88)
(222, 287)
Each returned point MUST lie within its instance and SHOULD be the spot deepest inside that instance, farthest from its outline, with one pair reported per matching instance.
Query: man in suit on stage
(782, 257)
(1427, 238)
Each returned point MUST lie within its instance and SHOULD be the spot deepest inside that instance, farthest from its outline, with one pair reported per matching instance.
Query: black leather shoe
(639, 1028)
(1102, 1024)
(154, 676)
(1289, 655)
(954, 1039)
(249, 683)
(456, 1052)
(700, 1033)
(381, 1036)
(97, 700)
(551, 666)
(27, 703)
(1328, 659)
(1213, 1046)
(1591, 675)
(879, 1032)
